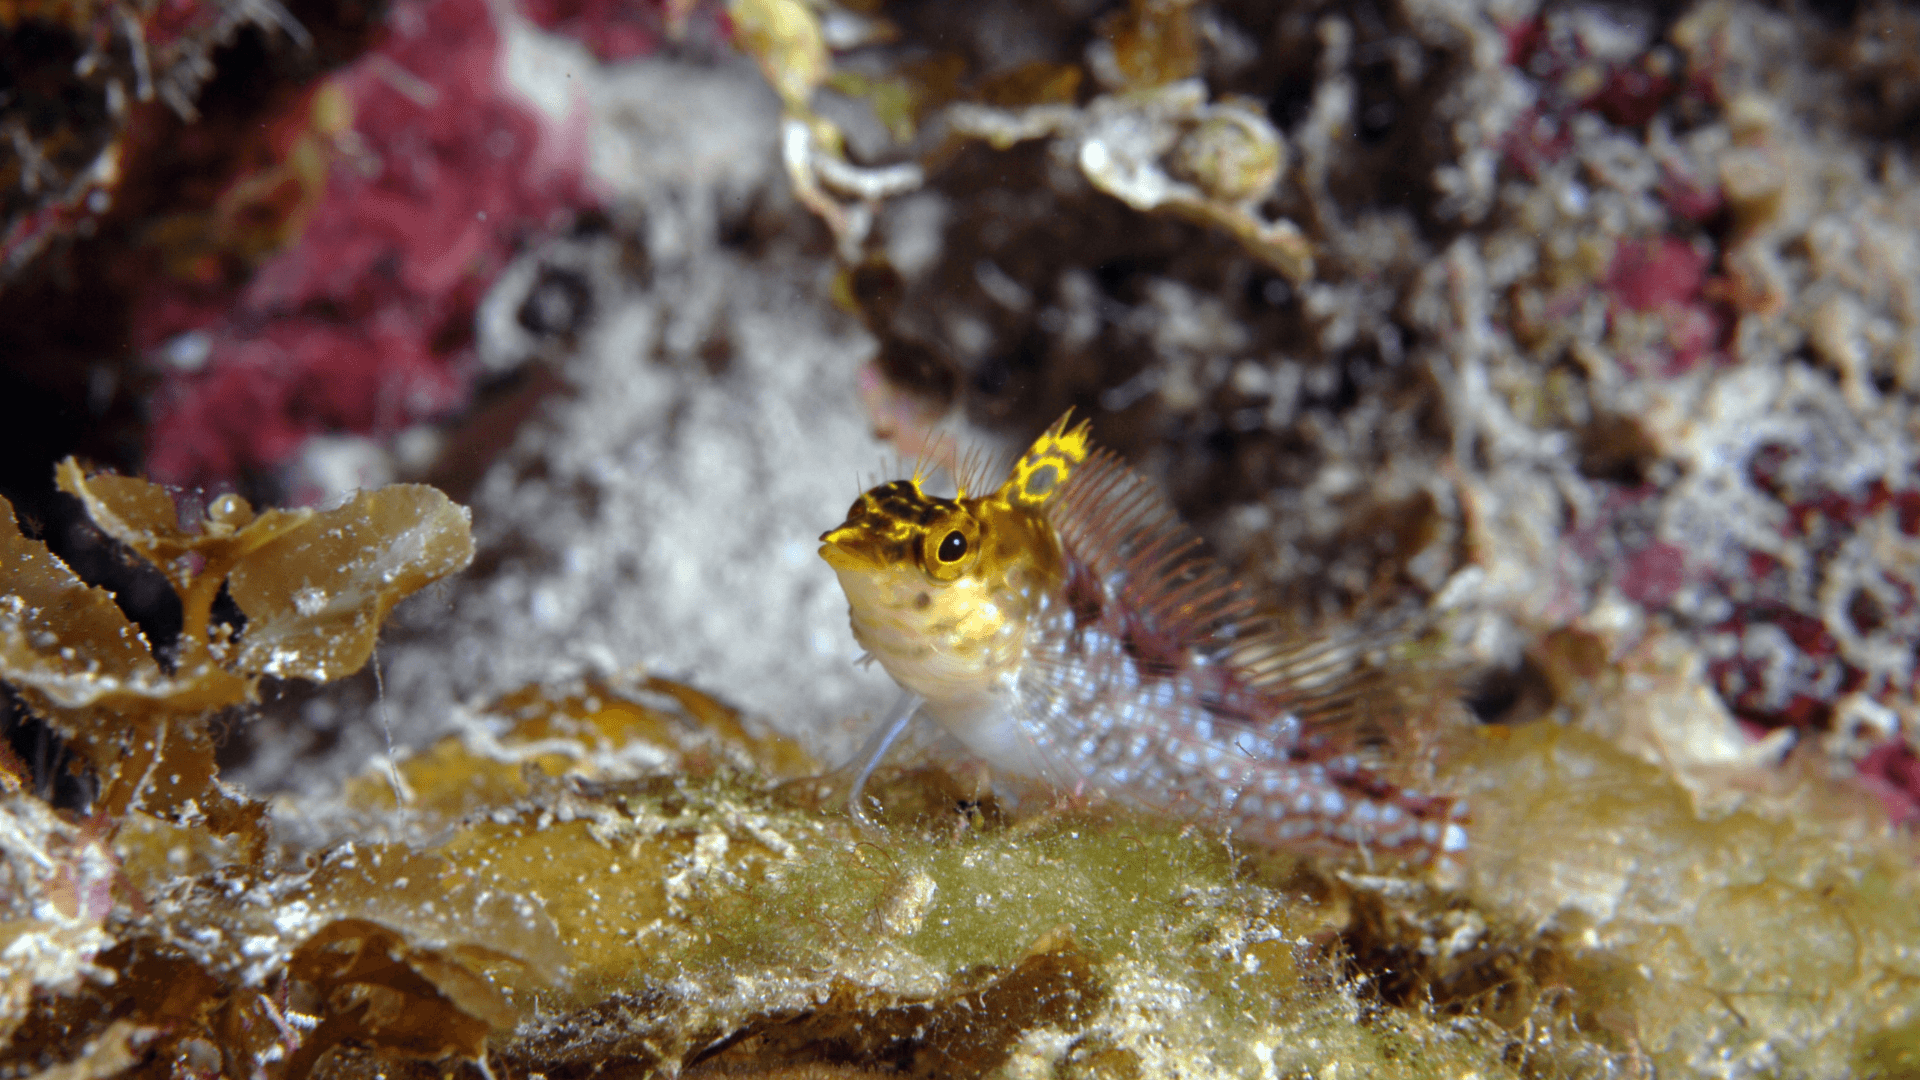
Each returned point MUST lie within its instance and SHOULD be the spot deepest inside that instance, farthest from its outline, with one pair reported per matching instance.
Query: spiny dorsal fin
(977, 469)
(1125, 531)
(1342, 686)
(1053, 459)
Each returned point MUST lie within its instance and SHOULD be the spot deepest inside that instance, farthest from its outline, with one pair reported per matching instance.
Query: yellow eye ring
(949, 545)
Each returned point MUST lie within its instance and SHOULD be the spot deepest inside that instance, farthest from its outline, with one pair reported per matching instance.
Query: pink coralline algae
(1838, 617)
(1689, 197)
(1535, 142)
(1667, 277)
(1574, 74)
(1892, 772)
(1632, 94)
(1579, 61)
(612, 29)
(1801, 578)
(1654, 574)
(362, 324)
(1651, 275)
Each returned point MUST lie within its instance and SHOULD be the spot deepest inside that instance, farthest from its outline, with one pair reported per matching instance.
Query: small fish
(1068, 626)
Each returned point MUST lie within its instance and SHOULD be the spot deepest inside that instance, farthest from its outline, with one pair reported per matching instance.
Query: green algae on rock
(616, 886)
(621, 876)
(717, 921)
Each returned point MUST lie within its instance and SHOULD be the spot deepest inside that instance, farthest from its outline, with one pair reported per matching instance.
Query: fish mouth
(843, 548)
(857, 544)
(839, 557)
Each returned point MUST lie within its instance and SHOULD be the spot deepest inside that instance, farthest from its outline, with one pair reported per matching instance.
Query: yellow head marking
(900, 525)
(940, 590)
(1047, 464)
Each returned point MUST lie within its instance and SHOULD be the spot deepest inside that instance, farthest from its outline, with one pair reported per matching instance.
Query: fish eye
(953, 548)
(948, 545)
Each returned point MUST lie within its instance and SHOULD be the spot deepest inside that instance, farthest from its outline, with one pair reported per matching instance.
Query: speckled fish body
(1081, 636)
(1190, 738)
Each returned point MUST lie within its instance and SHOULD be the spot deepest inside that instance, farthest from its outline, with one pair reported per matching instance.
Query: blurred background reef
(1594, 328)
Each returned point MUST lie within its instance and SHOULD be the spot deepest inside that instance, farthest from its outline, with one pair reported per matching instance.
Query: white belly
(990, 729)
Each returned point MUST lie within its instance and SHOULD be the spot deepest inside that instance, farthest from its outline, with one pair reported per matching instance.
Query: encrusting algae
(1067, 626)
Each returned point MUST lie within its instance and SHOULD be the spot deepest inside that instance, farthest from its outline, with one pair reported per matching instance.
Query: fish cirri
(1068, 626)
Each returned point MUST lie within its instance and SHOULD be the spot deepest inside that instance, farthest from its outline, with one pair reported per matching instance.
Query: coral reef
(409, 179)
(1562, 316)
(1591, 327)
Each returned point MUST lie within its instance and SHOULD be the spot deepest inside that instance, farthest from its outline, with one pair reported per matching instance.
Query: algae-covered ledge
(621, 876)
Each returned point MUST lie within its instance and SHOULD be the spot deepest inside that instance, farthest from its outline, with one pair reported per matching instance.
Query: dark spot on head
(922, 602)
(901, 501)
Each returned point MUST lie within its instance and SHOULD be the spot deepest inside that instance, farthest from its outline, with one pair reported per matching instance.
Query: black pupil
(953, 547)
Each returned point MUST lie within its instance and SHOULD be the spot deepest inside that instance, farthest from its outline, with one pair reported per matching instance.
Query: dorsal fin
(978, 468)
(1054, 459)
(1357, 682)
(1337, 685)
(1125, 531)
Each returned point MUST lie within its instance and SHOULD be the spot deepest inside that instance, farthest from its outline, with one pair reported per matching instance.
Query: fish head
(939, 590)
(898, 526)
